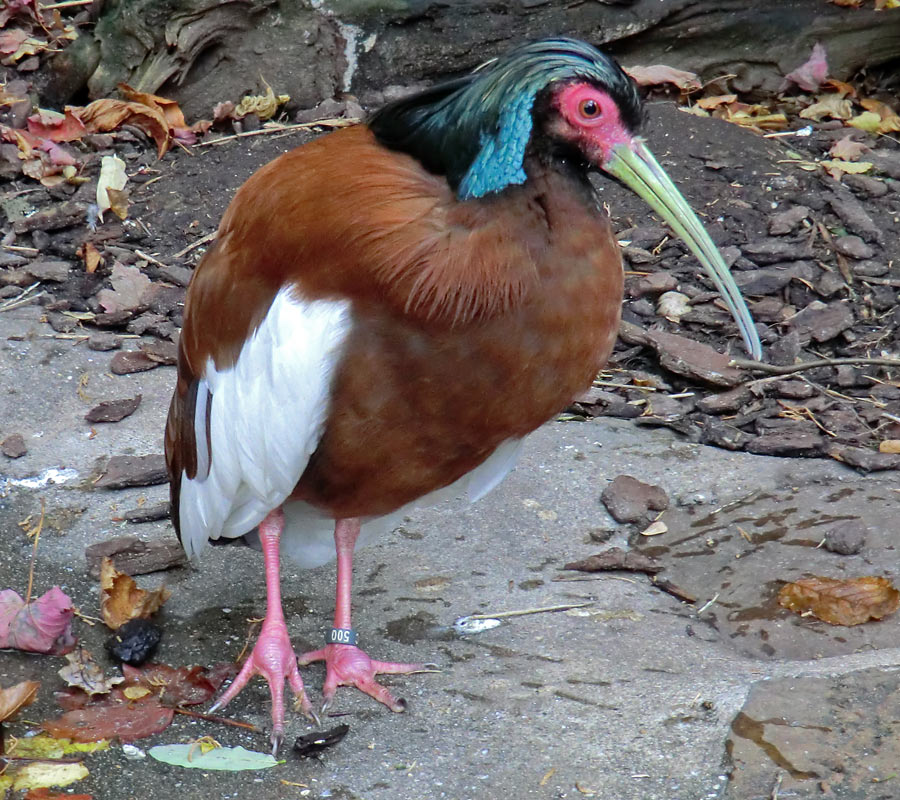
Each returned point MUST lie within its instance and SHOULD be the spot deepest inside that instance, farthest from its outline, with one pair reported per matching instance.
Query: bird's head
(558, 99)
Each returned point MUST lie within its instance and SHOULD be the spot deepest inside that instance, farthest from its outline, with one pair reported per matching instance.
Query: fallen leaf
(122, 600)
(50, 747)
(868, 121)
(48, 773)
(46, 794)
(848, 149)
(118, 202)
(42, 626)
(91, 257)
(178, 686)
(889, 446)
(659, 74)
(169, 108)
(264, 105)
(112, 176)
(848, 601)
(832, 105)
(716, 101)
(128, 287)
(655, 528)
(810, 75)
(107, 114)
(16, 697)
(836, 168)
(232, 759)
(82, 672)
(56, 127)
(889, 120)
(123, 720)
(752, 116)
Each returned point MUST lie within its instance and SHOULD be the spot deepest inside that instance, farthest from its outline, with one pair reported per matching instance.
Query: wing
(241, 435)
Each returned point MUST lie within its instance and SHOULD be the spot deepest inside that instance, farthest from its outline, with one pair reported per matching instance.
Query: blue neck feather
(499, 162)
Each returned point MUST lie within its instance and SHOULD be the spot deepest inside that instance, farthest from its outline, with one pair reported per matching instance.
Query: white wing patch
(265, 420)
(309, 534)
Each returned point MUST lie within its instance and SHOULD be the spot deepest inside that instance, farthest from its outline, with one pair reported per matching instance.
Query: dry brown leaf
(889, 121)
(91, 256)
(83, 672)
(716, 101)
(837, 168)
(108, 114)
(169, 108)
(118, 202)
(122, 600)
(660, 73)
(16, 697)
(889, 446)
(752, 116)
(834, 105)
(850, 601)
(264, 105)
(847, 149)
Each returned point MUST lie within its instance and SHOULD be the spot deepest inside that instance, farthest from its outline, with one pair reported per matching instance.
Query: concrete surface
(636, 697)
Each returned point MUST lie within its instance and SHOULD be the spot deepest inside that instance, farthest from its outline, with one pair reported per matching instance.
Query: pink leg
(272, 657)
(346, 664)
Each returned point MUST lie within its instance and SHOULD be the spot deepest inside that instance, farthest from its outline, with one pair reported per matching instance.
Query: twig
(882, 281)
(524, 611)
(707, 604)
(300, 126)
(20, 298)
(66, 4)
(213, 718)
(788, 369)
(208, 238)
(148, 257)
(36, 532)
(30, 251)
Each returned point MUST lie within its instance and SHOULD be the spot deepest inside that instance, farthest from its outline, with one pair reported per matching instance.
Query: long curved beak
(636, 167)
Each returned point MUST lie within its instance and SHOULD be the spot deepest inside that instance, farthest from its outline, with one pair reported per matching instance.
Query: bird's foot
(348, 665)
(274, 659)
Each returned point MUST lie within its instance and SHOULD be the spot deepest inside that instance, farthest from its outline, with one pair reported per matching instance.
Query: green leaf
(232, 759)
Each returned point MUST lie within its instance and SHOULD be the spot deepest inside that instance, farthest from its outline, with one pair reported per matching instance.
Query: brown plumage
(391, 308)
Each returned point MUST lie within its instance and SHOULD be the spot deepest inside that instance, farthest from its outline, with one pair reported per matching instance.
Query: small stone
(785, 221)
(853, 247)
(870, 269)
(830, 284)
(848, 538)
(785, 351)
(601, 535)
(104, 341)
(655, 283)
(628, 499)
(56, 271)
(13, 446)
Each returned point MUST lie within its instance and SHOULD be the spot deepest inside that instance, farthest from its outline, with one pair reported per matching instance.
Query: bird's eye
(589, 109)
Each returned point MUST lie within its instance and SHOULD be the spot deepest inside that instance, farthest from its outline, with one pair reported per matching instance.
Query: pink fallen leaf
(811, 75)
(42, 626)
(56, 127)
(847, 149)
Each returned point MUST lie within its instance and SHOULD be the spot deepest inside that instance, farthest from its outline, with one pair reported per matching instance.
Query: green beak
(636, 167)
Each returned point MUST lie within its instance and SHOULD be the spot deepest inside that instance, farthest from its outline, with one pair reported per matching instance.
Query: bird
(372, 299)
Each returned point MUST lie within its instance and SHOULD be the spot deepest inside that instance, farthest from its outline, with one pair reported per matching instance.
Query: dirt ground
(653, 700)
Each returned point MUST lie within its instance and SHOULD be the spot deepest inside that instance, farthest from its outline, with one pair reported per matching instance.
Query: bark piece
(126, 471)
(685, 356)
(853, 214)
(165, 353)
(822, 322)
(104, 341)
(55, 271)
(134, 556)
(616, 558)
(113, 410)
(146, 513)
(864, 459)
(788, 443)
(64, 215)
(854, 247)
(629, 500)
(784, 222)
(129, 361)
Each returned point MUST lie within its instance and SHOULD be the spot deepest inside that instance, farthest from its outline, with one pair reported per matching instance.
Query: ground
(638, 695)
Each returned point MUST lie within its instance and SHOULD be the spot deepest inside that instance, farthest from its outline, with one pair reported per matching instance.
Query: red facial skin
(589, 118)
